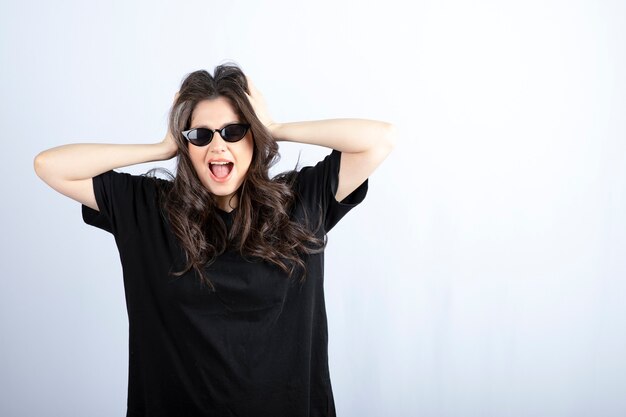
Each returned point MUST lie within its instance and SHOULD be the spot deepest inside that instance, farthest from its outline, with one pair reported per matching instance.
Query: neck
(228, 202)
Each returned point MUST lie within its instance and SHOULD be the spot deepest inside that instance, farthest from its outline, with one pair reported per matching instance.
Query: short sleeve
(124, 201)
(317, 186)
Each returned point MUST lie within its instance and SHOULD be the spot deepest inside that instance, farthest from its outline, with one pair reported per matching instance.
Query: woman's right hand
(169, 145)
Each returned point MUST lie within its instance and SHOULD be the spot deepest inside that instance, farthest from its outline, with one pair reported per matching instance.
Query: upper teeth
(220, 163)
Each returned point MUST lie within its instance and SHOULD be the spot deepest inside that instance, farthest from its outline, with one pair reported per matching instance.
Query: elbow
(37, 163)
(391, 136)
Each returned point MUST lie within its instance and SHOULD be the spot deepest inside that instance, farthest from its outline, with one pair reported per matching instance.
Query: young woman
(223, 267)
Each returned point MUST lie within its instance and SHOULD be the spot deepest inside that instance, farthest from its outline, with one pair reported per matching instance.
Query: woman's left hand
(260, 107)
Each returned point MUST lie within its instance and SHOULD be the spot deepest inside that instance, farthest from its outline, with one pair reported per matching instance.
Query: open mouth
(221, 170)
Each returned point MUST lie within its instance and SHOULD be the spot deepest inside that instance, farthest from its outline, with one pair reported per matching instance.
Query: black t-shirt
(257, 346)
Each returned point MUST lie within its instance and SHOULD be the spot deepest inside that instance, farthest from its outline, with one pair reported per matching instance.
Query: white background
(483, 275)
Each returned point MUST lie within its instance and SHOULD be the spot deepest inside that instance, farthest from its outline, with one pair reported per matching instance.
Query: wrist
(163, 151)
(274, 129)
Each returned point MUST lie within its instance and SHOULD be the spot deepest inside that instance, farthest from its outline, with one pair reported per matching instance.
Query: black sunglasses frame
(221, 132)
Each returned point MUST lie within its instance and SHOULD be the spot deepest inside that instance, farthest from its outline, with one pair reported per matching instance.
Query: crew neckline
(228, 213)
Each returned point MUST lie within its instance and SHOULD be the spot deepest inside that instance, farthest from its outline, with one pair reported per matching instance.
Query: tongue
(221, 171)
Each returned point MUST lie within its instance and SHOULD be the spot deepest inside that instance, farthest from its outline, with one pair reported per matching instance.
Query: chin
(222, 190)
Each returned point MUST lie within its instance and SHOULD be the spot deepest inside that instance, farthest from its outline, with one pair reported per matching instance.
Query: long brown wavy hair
(261, 226)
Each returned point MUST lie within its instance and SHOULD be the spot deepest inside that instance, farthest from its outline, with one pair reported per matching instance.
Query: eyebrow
(207, 127)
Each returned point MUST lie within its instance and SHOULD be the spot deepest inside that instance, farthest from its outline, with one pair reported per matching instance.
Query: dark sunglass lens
(200, 137)
(234, 132)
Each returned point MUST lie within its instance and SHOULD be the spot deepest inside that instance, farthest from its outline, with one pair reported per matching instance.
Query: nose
(218, 144)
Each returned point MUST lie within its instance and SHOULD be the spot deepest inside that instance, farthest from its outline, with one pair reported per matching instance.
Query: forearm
(344, 135)
(85, 160)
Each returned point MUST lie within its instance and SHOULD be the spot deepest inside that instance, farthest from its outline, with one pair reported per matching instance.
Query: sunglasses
(230, 133)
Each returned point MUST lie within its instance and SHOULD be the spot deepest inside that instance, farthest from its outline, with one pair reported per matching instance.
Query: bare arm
(364, 144)
(69, 169)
